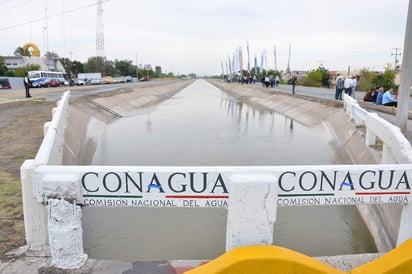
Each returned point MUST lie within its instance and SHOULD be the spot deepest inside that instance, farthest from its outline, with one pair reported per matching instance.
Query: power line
(51, 16)
(5, 1)
(15, 6)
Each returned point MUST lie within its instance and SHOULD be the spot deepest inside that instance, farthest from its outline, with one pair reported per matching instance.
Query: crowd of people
(347, 85)
(272, 81)
(376, 95)
(381, 97)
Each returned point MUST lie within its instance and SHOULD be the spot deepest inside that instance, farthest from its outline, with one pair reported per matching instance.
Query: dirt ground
(21, 133)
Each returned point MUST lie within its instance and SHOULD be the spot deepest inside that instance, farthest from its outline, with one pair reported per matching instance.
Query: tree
(317, 78)
(325, 77)
(365, 82)
(95, 64)
(67, 64)
(313, 78)
(145, 71)
(385, 80)
(3, 67)
(109, 68)
(19, 72)
(19, 51)
(52, 55)
(125, 67)
(77, 67)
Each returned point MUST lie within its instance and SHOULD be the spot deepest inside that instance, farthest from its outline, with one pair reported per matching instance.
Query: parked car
(4, 83)
(79, 82)
(107, 80)
(51, 82)
(96, 81)
(144, 79)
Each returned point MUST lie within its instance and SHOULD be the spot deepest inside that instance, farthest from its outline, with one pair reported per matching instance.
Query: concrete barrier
(69, 138)
(49, 153)
(395, 149)
(345, 140)
(45, 182)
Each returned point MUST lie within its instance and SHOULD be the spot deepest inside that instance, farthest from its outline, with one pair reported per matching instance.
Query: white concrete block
(35, 213)
(65, 234)
(60, 186)
(251, 210)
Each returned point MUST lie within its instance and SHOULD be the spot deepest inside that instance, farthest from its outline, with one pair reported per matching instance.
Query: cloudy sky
(185, 36)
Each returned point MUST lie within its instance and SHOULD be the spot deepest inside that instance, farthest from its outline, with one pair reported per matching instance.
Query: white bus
(41, 78)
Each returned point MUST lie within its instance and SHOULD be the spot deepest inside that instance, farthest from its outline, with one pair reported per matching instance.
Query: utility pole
(137, 69)
(248, 57)
(46, 31)
(64, 32)
(396, 54)
(276, 63)
(99, 30)
(288, 68)
(406, 76)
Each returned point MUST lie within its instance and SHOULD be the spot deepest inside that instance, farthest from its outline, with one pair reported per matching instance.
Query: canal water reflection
(202, 126)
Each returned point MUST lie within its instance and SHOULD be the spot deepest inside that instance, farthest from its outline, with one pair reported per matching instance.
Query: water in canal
(202, 126)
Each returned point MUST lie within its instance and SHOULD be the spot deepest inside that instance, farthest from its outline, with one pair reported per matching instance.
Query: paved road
(330, 94)
(323, 92)
(54, 94)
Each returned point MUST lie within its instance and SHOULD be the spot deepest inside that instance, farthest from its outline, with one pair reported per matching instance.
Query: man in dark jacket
(27, 84)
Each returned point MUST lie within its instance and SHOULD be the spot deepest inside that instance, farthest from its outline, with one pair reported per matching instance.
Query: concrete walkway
(41, 265)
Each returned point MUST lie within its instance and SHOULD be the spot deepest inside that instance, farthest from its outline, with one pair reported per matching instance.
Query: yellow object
(36, 50)
(107, 80)
(396, 261)
(266, 259)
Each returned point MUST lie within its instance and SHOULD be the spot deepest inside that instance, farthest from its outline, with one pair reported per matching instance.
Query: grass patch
(11, 212)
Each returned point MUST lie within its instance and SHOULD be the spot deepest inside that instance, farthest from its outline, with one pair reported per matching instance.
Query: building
(45, 63)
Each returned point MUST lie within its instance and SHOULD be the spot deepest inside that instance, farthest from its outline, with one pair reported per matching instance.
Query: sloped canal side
(201, 125)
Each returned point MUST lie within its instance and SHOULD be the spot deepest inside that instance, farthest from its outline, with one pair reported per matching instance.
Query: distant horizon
(196, 37)
(343, 72)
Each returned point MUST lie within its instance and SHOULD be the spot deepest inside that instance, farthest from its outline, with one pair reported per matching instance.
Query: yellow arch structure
(36, 50)
(266, 259)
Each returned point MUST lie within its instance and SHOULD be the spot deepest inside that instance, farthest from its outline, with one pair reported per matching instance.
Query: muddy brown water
(202, 126)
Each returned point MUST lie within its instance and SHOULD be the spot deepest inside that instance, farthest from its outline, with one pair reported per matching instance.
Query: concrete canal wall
(344, 141)
(343, 138)
(84, 124)
(87, 120)
(327, 118)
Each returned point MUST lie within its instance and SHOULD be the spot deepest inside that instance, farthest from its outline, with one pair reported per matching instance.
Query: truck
(88, 77)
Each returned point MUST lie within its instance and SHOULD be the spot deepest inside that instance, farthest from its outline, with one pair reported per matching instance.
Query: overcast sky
(185, 36)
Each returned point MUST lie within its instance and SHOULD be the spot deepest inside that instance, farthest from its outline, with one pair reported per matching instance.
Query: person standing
(267, 81)
(294, 80)
(354, 84)
(348, 86)
(339, 87)
(277, 80)
(27, 84)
